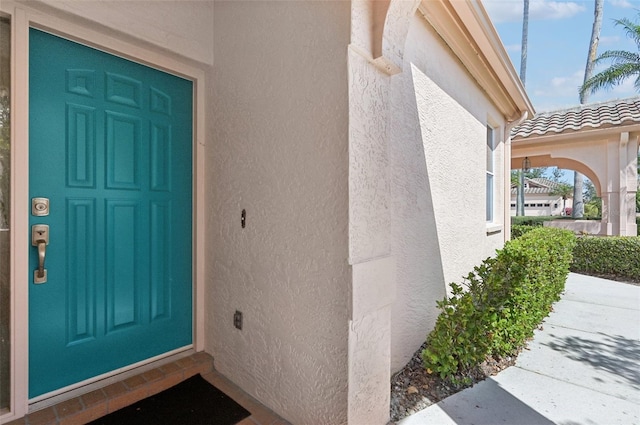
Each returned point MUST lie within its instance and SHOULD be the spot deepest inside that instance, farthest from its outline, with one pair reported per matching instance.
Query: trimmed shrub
(506, 297)
(531, 220)
(615, 256)
(518, 230)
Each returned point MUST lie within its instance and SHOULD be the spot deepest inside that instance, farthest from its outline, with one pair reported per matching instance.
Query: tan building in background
(540, 200)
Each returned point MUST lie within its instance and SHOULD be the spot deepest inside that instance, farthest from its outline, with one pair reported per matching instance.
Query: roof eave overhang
(466, 28)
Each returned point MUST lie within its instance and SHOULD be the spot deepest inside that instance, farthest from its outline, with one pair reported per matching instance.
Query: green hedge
(506, 297)
(518, 230)
(532, 220)
(613, 255)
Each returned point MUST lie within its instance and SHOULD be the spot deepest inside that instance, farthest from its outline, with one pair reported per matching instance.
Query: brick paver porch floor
(97, 403)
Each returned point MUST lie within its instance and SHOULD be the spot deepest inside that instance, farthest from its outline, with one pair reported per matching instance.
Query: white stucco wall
(180, 26)
(280, 135)
(336, 162)
(438, 161)
(532, 201)
(369, 240)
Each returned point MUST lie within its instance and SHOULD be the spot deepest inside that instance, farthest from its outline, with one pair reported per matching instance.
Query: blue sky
(559, 35)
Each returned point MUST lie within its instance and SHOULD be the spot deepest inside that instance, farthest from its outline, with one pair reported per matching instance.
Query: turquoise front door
(110, 147)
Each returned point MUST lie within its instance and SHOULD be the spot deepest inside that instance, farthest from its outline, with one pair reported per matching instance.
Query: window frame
(490, 181)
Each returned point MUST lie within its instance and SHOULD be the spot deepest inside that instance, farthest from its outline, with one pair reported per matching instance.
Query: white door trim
(24, 17)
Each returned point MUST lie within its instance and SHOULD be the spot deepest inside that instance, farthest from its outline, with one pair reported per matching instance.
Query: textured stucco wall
(437, 151)
(333, 159)
(369, 241)
(280, 151)
(180, 26)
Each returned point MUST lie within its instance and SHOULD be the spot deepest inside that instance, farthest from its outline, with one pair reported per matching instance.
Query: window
(5, 163)
(490, 172)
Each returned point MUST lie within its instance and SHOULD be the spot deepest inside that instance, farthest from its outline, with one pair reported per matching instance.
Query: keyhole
(243, 218)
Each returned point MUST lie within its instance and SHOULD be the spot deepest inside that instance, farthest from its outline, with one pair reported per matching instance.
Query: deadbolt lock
(39, 207)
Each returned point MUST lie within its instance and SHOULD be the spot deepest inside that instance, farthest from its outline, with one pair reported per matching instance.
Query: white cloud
(560, 92)
(542, 9)
(511, 10)
(572, 81)
(504, 10)
(613, 39)
(575, 80)
(627, 88)
(621, 91)
(513, 47)
(626, 4)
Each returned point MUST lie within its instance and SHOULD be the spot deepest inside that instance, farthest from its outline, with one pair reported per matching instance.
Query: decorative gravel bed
(413, 389)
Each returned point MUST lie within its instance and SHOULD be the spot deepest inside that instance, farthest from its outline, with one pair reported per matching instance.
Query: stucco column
(373, 278)
(609, 220)
(619, 190)
(628, 154)
(378, 33)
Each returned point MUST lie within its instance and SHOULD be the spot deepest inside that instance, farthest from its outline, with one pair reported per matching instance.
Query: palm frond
(623, 64)
(631, 29)
(610, 77)
(619, 56)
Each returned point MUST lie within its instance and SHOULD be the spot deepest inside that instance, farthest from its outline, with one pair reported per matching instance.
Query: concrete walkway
(582, 368)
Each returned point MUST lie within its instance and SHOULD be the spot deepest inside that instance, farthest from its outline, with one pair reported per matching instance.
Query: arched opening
(586, 140)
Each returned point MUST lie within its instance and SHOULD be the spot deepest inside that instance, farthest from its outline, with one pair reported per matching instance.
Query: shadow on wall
(420, 277)
(615, 354)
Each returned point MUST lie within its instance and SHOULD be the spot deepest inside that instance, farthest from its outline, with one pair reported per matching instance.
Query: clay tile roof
(536, 186)
(532, 191)
(542, 182)
(594, 115)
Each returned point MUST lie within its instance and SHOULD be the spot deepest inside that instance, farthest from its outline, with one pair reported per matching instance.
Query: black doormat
(191, 402)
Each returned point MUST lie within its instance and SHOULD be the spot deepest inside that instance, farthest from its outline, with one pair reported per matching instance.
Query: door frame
(23, 17)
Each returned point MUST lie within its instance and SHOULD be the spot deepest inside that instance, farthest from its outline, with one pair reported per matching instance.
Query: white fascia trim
(467, 30)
